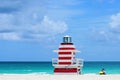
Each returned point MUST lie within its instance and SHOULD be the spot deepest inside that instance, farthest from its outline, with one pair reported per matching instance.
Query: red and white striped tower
(66, 63)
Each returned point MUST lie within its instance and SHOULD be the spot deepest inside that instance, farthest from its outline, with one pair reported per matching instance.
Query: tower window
(67, 39)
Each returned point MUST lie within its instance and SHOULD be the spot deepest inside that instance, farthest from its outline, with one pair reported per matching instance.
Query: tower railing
(76, 61)
(54, 61)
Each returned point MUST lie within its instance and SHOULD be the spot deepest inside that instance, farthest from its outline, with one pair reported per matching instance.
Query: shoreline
(58, 77)
(43, 73)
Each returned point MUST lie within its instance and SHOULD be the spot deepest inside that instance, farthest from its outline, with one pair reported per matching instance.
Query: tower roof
(67, 36)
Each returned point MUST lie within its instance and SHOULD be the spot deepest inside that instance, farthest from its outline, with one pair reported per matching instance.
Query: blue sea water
(47, 68)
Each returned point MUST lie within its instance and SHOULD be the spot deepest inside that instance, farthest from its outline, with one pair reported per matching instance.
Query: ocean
(47, 68)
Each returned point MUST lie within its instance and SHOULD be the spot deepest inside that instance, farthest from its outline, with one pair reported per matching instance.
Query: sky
(31, 29)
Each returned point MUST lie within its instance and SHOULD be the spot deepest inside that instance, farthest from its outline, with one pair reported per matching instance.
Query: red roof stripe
(64, 53)
(65, 70)
(66, 48)
(62, 58)
(63, 63)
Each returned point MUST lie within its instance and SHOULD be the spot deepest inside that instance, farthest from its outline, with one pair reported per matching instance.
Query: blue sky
(31, 29)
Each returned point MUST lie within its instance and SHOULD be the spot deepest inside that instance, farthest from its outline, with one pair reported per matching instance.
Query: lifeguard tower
(66, 63)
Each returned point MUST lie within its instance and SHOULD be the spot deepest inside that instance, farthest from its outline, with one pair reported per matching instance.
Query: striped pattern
(66, 43)
(64, 63)
(66, 51)
(66, 46)
(64, 58)
(65, 70)
(66, 54)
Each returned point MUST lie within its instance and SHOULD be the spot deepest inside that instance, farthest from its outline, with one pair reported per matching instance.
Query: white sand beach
(57, 77)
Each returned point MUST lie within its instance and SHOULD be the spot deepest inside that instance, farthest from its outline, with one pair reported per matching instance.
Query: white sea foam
(34, 73)
(90, 74)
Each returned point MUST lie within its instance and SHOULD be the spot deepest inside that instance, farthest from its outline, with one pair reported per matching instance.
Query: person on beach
(102, 72)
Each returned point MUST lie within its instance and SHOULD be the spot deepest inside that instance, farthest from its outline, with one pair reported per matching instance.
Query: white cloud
(5, 21)
(115, 22)
(10, 36)
(52, 27)
(65, 9)
(29, 23)
(46, 27)
(111, 32)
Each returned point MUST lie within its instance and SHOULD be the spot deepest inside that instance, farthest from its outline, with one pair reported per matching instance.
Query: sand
(57, 77)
